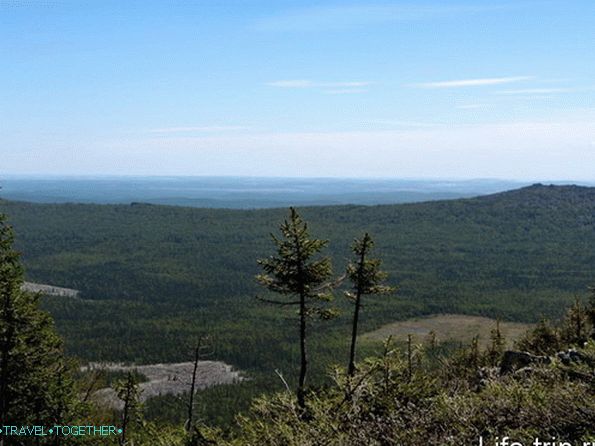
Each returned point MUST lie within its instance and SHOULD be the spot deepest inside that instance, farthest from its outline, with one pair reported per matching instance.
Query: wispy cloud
(201, 129)
(462, 83)
(330, 88)
(531, 91)
(292, 83)
(305, 83)
(410, 124)
(346, 91)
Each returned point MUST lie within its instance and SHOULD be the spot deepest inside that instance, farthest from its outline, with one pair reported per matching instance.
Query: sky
(399, 89)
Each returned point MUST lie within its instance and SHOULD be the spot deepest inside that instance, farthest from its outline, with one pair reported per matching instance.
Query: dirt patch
(167, 379)
(449, 327)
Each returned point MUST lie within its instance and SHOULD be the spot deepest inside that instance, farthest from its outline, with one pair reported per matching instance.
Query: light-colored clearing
(448, 327)
(49, 290)
(168, 379)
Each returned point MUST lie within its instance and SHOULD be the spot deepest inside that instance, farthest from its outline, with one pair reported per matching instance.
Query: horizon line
(90, 176)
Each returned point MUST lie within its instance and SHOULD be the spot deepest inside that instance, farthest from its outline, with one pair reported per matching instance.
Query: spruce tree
(35, 381)
(128, 392)
(575, 325)
(367, 278)
(296, 273)
(497, 345)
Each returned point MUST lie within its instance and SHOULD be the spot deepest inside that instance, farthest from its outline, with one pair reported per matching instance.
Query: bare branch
(277, 302)
(91, 386)
(330, 285)
(283, 379)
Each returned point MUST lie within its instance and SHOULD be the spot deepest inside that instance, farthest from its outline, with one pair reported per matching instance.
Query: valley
(151, 279)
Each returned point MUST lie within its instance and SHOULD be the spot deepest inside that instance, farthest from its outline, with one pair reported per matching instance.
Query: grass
(448, 327)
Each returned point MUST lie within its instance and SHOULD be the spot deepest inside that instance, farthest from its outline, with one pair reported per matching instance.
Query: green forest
(154, 279)
(179, 271)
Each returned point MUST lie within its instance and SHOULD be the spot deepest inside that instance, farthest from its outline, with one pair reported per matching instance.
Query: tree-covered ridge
(172, 251)
(430, 394)
(159, 272)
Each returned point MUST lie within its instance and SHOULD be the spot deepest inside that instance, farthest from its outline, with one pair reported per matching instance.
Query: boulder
(512, 361)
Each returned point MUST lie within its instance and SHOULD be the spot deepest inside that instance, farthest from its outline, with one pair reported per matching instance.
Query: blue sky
(457, 89)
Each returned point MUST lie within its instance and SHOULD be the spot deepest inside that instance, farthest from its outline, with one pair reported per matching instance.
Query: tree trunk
(301, 397)
(192, 387)
(126, 408)
(351, 368)
(304, 358)
(409, 357)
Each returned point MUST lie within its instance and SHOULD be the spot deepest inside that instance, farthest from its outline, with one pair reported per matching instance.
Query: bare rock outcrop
(513, 361)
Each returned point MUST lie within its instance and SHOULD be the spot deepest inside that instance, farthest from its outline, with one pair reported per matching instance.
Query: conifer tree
(574, 328)
(129, 392)
(367, 278)
(544, 339)
(497, 345)
(296, 273)
(35, 381)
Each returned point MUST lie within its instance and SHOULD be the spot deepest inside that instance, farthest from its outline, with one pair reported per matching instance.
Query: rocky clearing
(167, 379)
(50, 290)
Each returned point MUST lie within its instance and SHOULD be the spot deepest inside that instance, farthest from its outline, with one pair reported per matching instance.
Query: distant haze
(241, 192)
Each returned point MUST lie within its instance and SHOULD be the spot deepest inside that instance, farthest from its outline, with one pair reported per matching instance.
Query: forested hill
(544, 195)
(517, 255)
(524, 238)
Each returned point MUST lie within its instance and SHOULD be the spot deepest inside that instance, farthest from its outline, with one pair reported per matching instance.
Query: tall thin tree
(128, 392)
(201, 351)
(296, 273)
(367, 278)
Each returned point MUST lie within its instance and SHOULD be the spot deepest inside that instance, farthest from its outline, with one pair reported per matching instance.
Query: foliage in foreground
(419, 398)
(416, 397)
(35, 379)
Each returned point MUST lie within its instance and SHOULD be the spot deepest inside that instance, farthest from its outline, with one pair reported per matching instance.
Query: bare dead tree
(202, 350)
